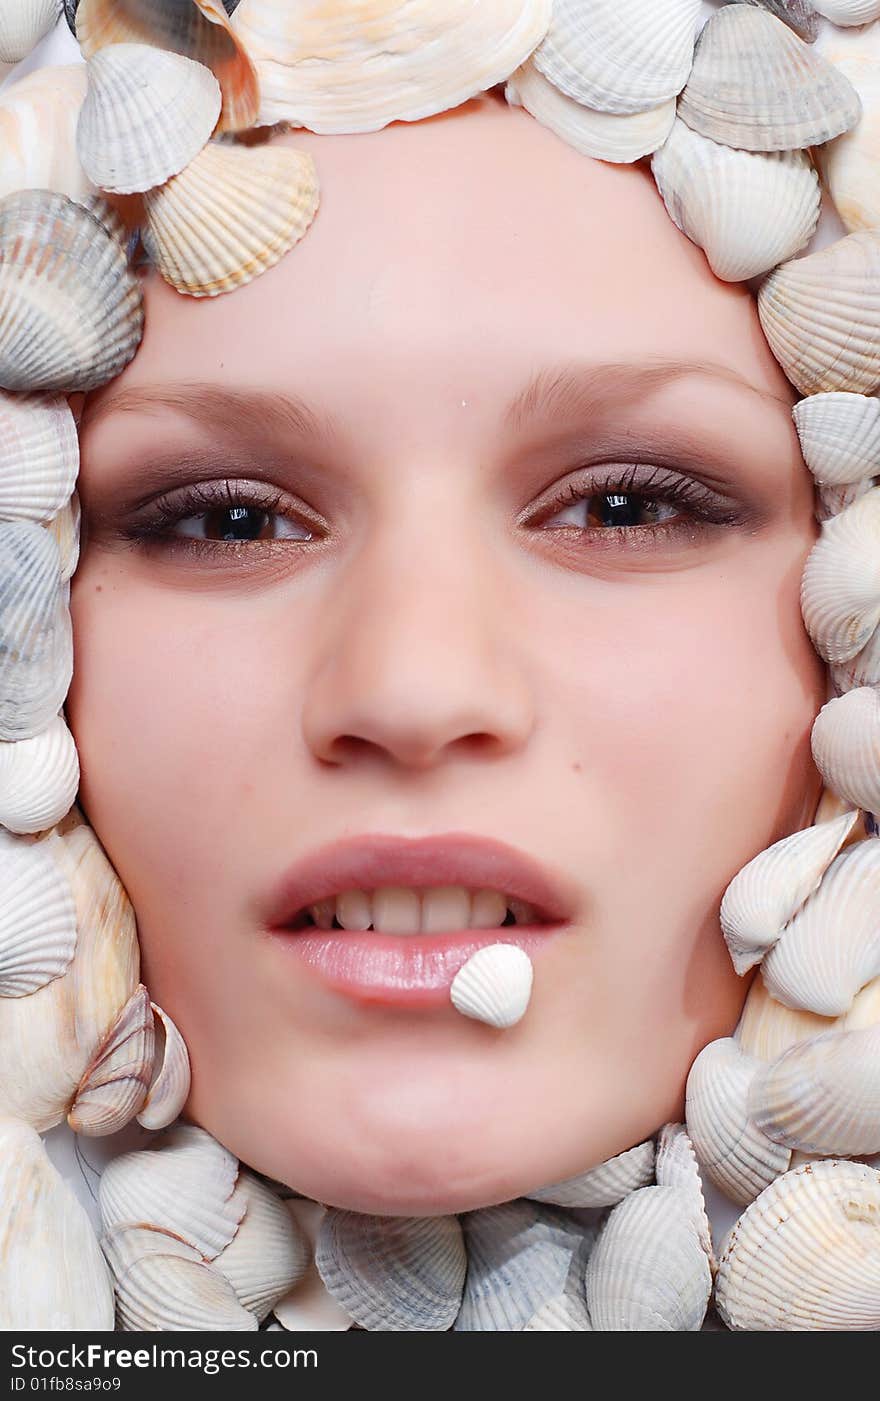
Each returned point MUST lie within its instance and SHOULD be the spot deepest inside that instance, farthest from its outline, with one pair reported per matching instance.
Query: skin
(632, 708)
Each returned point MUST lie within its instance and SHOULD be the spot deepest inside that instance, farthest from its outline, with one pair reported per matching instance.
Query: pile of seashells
(744, 121)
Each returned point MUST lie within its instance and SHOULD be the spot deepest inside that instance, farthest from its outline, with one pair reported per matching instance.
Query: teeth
(402, 910)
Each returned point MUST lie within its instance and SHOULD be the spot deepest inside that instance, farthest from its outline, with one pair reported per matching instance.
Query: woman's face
(522, 561)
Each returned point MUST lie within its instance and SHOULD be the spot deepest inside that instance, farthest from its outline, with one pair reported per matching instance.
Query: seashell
(839, 436)
(115, 1084)
(840, 589)
(823, 1096)
(736, 1157)
(39, 778)
(756, 86)
(184, 1184)
(566, 1314)
(763, 896)
(797, 14)
(70, 8)
(830, 949)
(393, 1273)
(268, 1254)
(169, 1088)
(38, 117)
(37, 918)
(821, 315)
(747, 210)
(309, 1306)
(831, 500)
(71, 311)
(410, 59)
(766, 1028)
(52, 1274)
(607, 136)
(846, 746)
(197, 29)
(619, 56)
(39, 456)
(603, 1185)
(36, 641)
(494, 985)
(65, 530)
(521, 1259)
(147, 114)
(848, 163)
(804, 1255)
(861, 670)
(676, 1166)
(848, 11)
(23, 24)
(163, 1284)
(649, 1271)
(262, 198)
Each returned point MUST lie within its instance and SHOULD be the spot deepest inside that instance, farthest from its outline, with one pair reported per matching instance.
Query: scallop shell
(676, 1166)
(197, 29)
(756, 86)
(649, 1271)
(619, 56)
(736, 1157)
(747, 210)
(393, 1273)
(840, 588)
(830, 949)
(603, 1185)
(848, 11)
(606, 136)
(164, 1285)
(823, 1096)
(23, 24)
(804, 1256)
(494, 985)
(309, 1306)
(38, 117)
(763, 896)
(169, 1088)
(839, 436)
(521, 1258)
(268, 1254)
(65, 530)
(39, 778)
(797, 14)
(184, 1184)
(832, 500)
(71, 311)
(410, 59)
(115, 1084)
(37, 918)
(36, 638)
(766, 1028)
(846, 746)
(52, 1275)
(849, 162)
(39, 456)
(821, 315)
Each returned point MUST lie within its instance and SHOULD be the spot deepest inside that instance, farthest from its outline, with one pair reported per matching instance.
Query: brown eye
(604, 509)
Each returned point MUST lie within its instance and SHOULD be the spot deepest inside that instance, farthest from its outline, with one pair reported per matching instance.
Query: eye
(240, 523)
(612, 508)
(216, 517)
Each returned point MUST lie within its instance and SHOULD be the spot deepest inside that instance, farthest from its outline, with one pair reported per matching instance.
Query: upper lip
(453, 858)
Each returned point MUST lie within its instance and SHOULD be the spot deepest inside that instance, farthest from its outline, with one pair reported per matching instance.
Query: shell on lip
(799, 15)
(37, 918)
(736, 1156)
(413, 58)
(164, 1285)
(839, 435)
(619, 56)
(39, 778)
(39, 456)
(36, 637)
(494, 985)
(603, 1185)
(169, 1087)
(846, 746)
(523, 1259)
(48, 101)
(840, 588)
(823, 1096)
(23, 24)
(114, 1085)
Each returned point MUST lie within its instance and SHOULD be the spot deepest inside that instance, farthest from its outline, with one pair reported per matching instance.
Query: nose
(420, 656)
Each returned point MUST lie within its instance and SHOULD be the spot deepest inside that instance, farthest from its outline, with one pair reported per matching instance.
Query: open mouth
(416, 910)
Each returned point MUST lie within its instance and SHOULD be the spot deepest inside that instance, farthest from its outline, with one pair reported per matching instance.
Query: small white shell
(607, 136)
(494, 985)
(268, 1254)
(39, 779)
(164, 1285)
(848, 11)
(23, 24)
(169, 1088)
(840, 589)
(36, 636)
(603, 1185)
(37, 917)
(824, 1095)
(839, 436)
(846, 746)
(736, 1157)
(521, 1258)
(310, 1306)
(39, 456)
(115, 1084)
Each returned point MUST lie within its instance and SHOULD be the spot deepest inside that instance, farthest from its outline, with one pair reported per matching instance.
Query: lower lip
(403, 969)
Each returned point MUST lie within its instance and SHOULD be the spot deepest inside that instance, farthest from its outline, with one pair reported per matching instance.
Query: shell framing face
(539, 568)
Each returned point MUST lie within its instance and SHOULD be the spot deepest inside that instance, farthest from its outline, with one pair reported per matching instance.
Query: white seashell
(23, 24)
(649, 1271)
(848, 11)
(52, 1274)
(840, 588)
(65, 530)
(839, 436)
(804, 1256)
(767, 1028)
(830, 949)
(163, 1284)
(756, 86)
(169, 1088)
(747, 210)
(184, 1184)
(309, 1306)
(231, 215)
(861, 670)
(268, 1254)
(846, 746)
(800, 16)
(848, 163)
(36, 640)
(38, 117)
(821, 315)
(147, 114)
(603, 1185)
(39, 456)
(736, 1157)
(393, 1273)
(824, 1095)
(567, 1314)
(521, 1259)
(676, 1166)
(607, 136)
(763, 896)
(39, 779)
(115, 1083)
(494, 985)
(831, 500)
(619, 56)
(409, 59)
(37, 917)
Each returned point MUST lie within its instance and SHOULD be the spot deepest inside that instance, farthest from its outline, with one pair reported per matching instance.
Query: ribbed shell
(735, 1155)
(37, 917)
(846, 746)
(839, 436)
(824, 1095)
(800, 16)
(494, 985)
(65, 531)
(115, 1083)
(38, 117)
(849, 11)
(603, 1185)
(849, 162)
(840, 587)
(607, 136)
(39, 456)
(169, 1088)
(39, 779)
(310, 1305)
(676, 1166)
(36, 640)
(164, 1285)
(23, 24)
(268, 1254)
(521, 1256)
